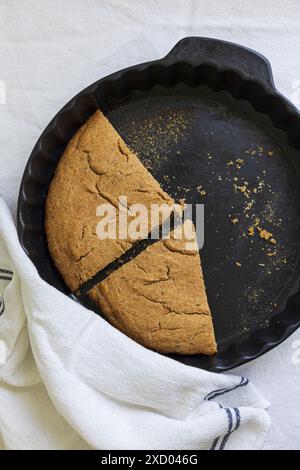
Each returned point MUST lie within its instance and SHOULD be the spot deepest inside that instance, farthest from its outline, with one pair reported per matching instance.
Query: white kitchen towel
(70, 380)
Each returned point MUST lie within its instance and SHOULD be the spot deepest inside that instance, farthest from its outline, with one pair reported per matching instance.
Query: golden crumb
(273, 241)
(271, 253)
(270, 153)
(201, 191)
(251, 231)
(234, 220)
(230, 163)
(238, 264)
(240, 161)
(244, 190)
(261, 264)
(249, 205)
(264, 234)
(261, 184)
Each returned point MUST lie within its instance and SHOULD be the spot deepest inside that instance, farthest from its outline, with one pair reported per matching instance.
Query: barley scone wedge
(96, 168)
(159, 299)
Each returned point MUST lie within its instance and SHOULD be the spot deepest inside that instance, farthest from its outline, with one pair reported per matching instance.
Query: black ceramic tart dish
(209, 124)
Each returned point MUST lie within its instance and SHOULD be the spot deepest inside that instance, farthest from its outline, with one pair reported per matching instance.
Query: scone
(96, 168)
(159, 299)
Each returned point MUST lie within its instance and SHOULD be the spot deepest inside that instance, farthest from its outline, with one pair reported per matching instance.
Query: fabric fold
(108, 391)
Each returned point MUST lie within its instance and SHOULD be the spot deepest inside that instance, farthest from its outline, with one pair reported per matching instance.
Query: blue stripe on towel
(229, 428)
(221, 391)
(5, 275)
(5, 278)
(214, 444)
(6, 271)
(237, 425)
(238, 418)
(2, 306)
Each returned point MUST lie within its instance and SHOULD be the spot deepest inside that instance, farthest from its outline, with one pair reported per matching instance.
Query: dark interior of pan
(209, 124)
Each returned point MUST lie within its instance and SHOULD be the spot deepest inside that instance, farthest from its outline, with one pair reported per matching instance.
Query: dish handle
(223, 55)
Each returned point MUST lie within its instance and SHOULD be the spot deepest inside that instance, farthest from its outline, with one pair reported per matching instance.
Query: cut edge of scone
(159, 299)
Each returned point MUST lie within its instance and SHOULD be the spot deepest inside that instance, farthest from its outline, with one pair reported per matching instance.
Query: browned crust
(159, 297)
(95, 168)
(159, 300)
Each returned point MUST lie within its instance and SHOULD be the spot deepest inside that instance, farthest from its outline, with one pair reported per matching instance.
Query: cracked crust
(159, 300)
(95, 168)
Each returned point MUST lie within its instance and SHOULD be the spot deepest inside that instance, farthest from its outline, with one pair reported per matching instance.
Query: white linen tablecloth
(50, 50)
